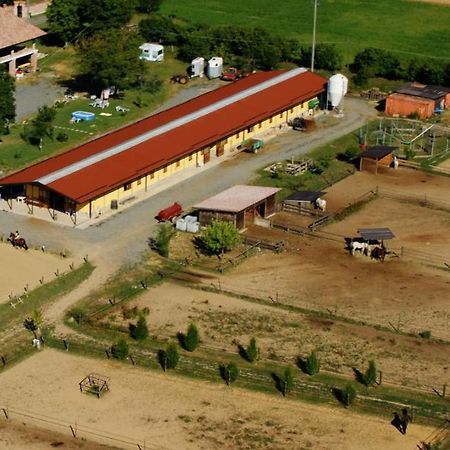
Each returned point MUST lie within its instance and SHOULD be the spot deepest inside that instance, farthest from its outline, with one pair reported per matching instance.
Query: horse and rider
(17, 241)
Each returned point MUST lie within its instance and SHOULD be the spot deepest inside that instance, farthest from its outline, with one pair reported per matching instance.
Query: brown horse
(19, 243)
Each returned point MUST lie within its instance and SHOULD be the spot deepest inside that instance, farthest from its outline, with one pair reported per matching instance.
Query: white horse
(358, 246)
(321, 204)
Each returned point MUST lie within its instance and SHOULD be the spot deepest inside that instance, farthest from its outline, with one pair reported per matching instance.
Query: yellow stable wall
(128, 190)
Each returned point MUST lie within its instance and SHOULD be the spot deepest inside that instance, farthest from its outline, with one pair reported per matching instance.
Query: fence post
(132, 360)
(74, 433)
(3, 360)
(5, 413)
(444, 390)
(66, 345)
(107, 354)
(401, 251)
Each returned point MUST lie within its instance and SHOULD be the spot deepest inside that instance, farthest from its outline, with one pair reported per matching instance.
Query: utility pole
(313, 48)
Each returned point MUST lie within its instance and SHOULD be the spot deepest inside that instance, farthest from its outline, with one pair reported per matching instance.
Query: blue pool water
(83, 115)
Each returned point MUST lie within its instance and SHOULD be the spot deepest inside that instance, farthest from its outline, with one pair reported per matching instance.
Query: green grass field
(406, 27)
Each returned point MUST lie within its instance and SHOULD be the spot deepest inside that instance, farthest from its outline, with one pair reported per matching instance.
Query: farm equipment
(231, 74)
(251, 145)
(170, 212)
(179, 78)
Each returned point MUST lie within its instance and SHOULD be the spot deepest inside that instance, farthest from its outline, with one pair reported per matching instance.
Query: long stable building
(111, 169)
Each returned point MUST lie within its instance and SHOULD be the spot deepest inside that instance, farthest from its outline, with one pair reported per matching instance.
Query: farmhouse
(238, 205)
(14, 30)
(415, 98)
(111, 169)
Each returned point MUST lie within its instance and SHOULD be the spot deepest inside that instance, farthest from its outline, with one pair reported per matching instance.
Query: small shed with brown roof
(239, 204)
(374, 157)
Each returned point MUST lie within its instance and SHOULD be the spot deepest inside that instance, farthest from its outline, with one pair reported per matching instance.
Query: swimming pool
(83, 115)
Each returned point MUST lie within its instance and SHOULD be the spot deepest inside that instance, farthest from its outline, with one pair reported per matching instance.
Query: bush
(192, 338)
(252, 351)
(285, 383)
(219, 237)
(120, 350)
(140, 330)
(165, 233)
(169, 358)
(229, 372)
(312, 364)
(350, 153)
(370, 376)
(426, 334)
(77, 314)
(347, 395)
(62, 137)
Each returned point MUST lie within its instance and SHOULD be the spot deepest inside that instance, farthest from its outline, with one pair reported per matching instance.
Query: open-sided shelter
(239, 204)
(375, 157)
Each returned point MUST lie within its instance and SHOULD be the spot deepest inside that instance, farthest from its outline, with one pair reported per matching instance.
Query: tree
(286, 381)
(229, 372)
(148, 6)
(140, 331)
(252, 351)
(30, 325)
(101, 15)
(158, 28)
(63, 19)
(192, 338)
(375, 62)
(111, 58)
(169, 357)
(370, 376)
(326, 57)
(163, 237)
(348, 395)
(120, 350)
(312, 364)
(219, 237)
(7, 101)
(41, 127)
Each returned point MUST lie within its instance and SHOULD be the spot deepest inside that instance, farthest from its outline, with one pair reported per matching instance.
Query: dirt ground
(173, 413)
(20, 267)
(224, 321)
(445, 163)
(15, 435)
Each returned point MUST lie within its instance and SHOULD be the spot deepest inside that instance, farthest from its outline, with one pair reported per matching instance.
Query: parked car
(231, 74)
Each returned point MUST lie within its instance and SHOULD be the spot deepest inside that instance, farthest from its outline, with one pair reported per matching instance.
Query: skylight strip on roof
(70, 169)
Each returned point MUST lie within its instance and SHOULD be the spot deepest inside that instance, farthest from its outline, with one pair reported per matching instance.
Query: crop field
(398, 26)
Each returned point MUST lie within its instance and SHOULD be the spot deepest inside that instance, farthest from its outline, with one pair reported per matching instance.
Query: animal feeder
(94, 384)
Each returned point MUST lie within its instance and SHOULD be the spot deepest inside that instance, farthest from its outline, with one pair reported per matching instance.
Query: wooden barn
(239, 204)
(377, 157)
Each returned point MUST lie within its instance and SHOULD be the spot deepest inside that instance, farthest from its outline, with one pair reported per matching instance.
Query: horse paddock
(171, 412)
(26, 267)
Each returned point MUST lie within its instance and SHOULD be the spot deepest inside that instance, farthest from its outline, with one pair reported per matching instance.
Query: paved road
(31, 96)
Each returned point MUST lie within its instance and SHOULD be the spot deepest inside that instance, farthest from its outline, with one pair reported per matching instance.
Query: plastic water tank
(192, 227)
(337, 88)
(215, 67)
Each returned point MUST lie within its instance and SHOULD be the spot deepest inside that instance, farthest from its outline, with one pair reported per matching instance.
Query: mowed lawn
(407, 27)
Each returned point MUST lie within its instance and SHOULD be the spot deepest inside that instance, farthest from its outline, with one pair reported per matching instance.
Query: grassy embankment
(17, 344)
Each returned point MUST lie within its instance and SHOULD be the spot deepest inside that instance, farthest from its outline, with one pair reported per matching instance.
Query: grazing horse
(360, 246)
(20, 242)
(321, 204)
(378, 253)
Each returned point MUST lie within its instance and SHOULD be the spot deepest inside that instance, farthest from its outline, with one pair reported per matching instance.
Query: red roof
(106, 175)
